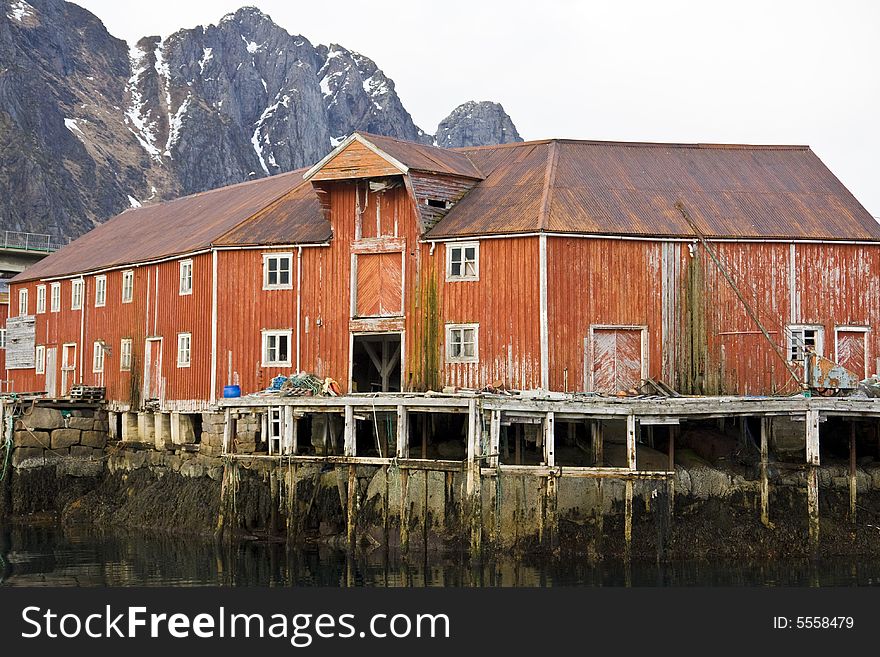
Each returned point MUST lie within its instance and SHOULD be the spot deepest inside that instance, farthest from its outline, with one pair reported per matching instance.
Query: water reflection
(49, 555)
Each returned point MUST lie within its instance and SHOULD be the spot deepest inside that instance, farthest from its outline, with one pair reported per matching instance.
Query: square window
(186, 277)
(277, 271)
(463, 261)
(276, 348)
(100, 291)
(803, 338)
(462, 343)
(55, 298)
(184, 349)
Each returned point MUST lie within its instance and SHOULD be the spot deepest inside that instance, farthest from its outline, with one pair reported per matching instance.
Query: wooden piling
(627, 519)
(631, 429)
(596, 439)
(472, 481)
(405, 512)
(852, 471)
(351, 511)
(812, 449)
(765, 482)
(670, 481)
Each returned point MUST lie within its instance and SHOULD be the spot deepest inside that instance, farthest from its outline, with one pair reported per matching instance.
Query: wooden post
(812, 440)
(627, 519)
(227, 431)
(631, 425)
(404, 510)
(287, 441)
(473, 477)
(494, 439)
(673, 433)
(350, 439)
(549, 436)
(852, 471)
(351, 514)
(402, 432)
(597, 442)
(765, 482)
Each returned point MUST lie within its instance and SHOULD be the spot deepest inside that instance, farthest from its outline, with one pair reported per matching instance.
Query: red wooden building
(559, 265)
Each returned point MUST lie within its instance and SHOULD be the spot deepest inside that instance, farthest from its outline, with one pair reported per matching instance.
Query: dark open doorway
(375, 362)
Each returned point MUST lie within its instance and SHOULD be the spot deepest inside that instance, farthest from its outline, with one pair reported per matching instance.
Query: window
(22, 303)
(40, 360)
(76, 294)
(55, 298)
(186, 277)
(98, 359)
(125, 354)
(184, 349)
(463, 262)
(437, 203)
(276, 271)
(100, 291)
(276, 348)
(802, 338)
(462, 343)
(2, 338)
(41, 299)
(127, 286)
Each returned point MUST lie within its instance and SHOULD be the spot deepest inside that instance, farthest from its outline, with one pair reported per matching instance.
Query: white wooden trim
(853, 329)
(214, 311)
(276, 332)
(299, 271)
(127, 273)
(189, 348)
(345, 143)
(640, 238)
(544, 319)
(180, 291)
(101, 284)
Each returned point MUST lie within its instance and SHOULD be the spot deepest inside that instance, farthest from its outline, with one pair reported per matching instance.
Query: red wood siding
(379, 279)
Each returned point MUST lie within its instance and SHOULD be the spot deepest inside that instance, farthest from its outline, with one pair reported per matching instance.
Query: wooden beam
(494, 439)
(852, 472)
(765, 483)
(402, 432)
(631, 427)
(549, 439)
(350, 444)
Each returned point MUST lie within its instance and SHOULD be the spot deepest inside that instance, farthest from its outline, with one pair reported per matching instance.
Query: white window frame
(125, 354)
(55, 298)
(790, 329)
(278, 256)
(98, 357)
(184, 349)
(186, 278)
(77, 292)
(451, 247)
(41, 299)
(40, 359)
(100, 291)
(450, 330)
(2, 338)
(276, 333)
(22, 302)
(128, 286)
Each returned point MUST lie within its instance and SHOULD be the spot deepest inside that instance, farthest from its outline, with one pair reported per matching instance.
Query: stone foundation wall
(73, 439)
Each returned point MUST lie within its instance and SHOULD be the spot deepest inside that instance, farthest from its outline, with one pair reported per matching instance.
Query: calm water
(76, 556)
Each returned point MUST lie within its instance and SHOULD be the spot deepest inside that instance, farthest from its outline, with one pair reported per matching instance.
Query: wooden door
(379, 285)
(68, 368)
(617, 358)
(850, 351)
(153, 369)
(51, 371)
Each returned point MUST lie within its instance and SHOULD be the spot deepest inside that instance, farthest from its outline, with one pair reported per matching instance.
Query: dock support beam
(596, 440)
(350, 444)
(631, 428)
(852, 471)
(673, 434)
(765, 482)
(402, 433)
(812, 438)
(472, 481)
(352, 510)
(627, 519)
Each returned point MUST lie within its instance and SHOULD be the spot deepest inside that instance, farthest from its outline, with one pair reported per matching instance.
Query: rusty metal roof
(431, 159)
(167, 229)
(615, 188)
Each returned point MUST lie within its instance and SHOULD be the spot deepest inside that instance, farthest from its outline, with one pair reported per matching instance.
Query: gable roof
(614, 188)
(177, 227)
(404, 156)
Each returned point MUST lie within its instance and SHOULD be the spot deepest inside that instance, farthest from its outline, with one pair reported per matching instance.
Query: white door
(51, 365)
(153, 368)
(68, 368)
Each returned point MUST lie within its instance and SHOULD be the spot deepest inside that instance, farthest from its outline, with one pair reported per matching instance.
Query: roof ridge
(638, 144)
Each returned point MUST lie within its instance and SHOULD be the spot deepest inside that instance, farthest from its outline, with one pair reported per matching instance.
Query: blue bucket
(231, 391)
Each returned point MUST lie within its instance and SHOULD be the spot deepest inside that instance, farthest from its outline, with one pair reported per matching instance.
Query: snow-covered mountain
(90, 126)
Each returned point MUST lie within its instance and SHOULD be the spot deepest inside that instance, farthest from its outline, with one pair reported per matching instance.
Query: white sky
(765, 71)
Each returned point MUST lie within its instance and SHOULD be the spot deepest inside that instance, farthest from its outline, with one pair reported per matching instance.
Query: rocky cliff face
(476, 124)
(89, 126)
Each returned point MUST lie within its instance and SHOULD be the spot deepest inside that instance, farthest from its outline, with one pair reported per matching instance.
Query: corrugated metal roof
(166, 229)
(614, 188)
(431, 159)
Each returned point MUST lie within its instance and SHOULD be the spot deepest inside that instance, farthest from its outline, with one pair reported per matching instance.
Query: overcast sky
(766, 71)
